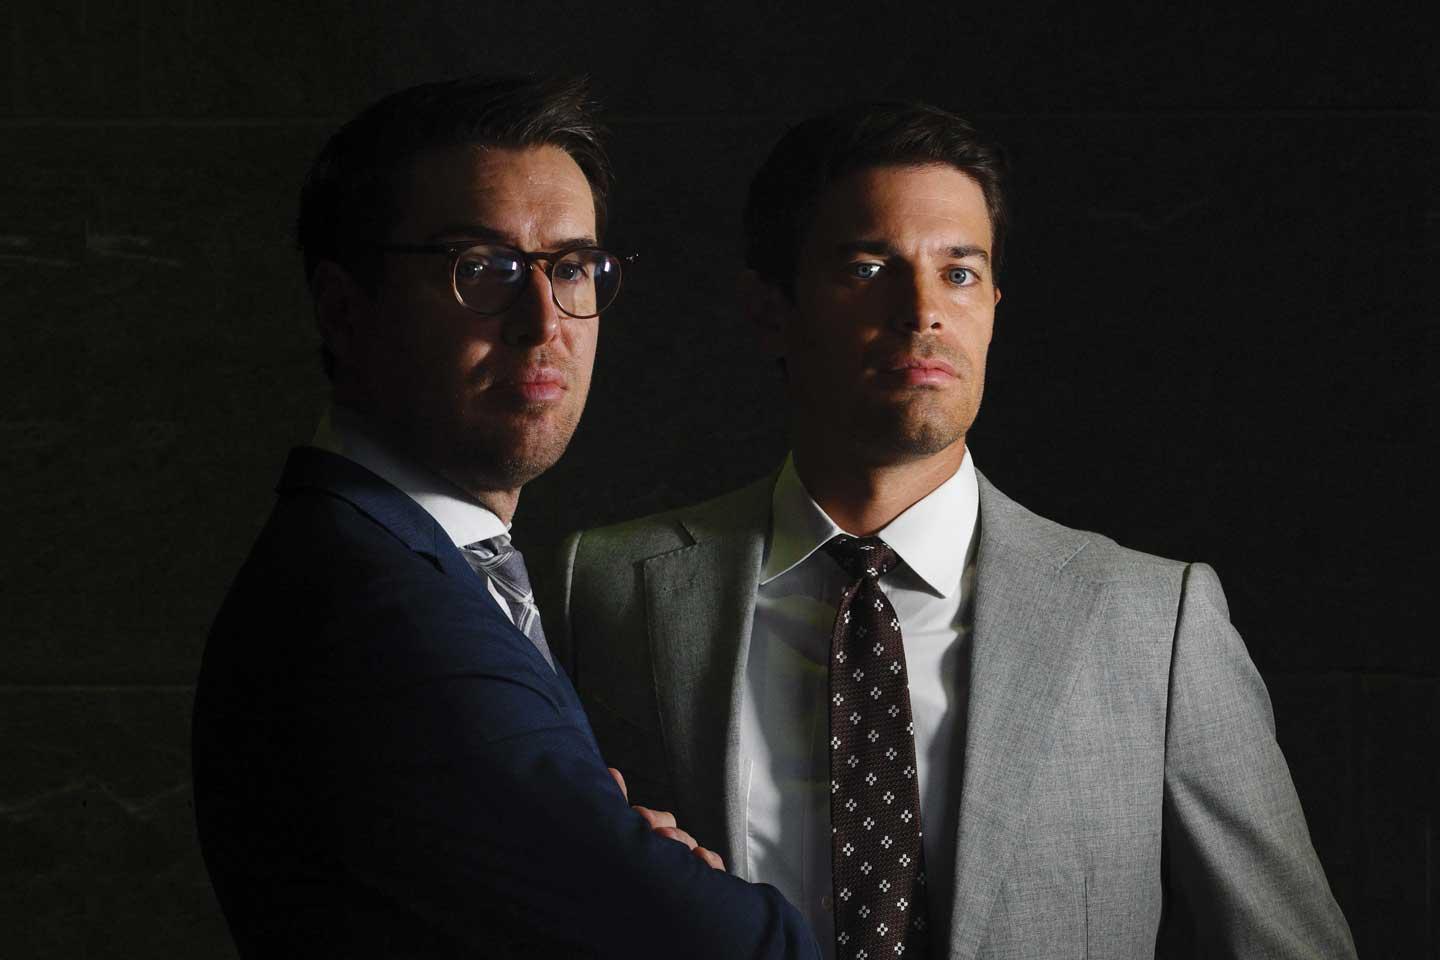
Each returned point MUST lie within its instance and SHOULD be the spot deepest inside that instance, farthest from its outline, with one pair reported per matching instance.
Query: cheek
(581, 340)
(829, 334)
(449, 350)
(824, 366)
(973, 328)
(405, 331)
(579, 350)
(977, 336)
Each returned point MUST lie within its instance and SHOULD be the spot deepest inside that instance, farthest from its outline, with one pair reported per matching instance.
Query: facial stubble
(920, 422)
(511, 450)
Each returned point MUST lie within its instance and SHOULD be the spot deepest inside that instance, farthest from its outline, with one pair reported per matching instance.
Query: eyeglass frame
(454, 249)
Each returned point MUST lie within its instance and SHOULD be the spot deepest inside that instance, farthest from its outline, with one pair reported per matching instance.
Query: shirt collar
(932, 536)
(798, 527)
(343, 431)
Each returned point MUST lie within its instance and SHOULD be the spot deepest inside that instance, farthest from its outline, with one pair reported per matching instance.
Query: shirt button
(826, 903)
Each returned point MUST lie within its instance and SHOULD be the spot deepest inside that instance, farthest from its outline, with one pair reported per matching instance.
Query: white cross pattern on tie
(876, 913)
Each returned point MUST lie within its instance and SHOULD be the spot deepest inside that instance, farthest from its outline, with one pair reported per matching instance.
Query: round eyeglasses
(489, 277)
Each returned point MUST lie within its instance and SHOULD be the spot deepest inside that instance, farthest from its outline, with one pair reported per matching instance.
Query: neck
(502, 503)
(401, 442)
(862, 498)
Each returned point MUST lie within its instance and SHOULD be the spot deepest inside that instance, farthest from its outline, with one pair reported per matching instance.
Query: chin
(910, 431)
(494, 468)
(919, 445)
(509, 454)
(514, 473)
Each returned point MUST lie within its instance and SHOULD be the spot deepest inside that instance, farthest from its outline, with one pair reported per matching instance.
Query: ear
(997, 296)
(342, 308)
(766, 307)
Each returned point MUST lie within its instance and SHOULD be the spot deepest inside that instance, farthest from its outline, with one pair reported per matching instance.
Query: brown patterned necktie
(876, 856)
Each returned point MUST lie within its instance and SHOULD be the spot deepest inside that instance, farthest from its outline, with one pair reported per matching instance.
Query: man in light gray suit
(1071, 753)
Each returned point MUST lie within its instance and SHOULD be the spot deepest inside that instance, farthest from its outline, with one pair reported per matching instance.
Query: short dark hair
(786, 190)
(348, 201)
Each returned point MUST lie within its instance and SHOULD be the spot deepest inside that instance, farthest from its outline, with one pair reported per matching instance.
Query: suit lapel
(1032, 623)
(700, 603)
(310, 468)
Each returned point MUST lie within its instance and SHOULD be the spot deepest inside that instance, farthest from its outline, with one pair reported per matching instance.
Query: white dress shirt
(343, 431)
(785, 718)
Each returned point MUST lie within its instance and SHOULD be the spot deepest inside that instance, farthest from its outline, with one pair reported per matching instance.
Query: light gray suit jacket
(1122, 789)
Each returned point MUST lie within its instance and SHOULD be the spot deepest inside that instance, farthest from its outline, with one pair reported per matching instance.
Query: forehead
(525, 195)
(897, 202)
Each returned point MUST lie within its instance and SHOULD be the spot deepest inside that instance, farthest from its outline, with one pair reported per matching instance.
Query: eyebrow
(479, 231)
(882, 249)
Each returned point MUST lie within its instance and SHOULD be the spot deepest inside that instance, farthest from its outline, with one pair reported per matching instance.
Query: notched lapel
(700, 601)
(316, 469)
(1033, 622)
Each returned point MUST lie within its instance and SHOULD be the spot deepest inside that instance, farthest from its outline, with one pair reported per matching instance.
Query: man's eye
(569, 272)
(864, 271)
(488, 270)
(960, 276)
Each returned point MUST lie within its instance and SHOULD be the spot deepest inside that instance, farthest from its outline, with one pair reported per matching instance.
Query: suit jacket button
(826, 903)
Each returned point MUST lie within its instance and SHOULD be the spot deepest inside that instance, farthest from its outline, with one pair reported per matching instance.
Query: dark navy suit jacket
(385, 766)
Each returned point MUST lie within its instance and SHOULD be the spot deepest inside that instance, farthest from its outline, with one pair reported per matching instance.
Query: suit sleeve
(478, 793)
(1240, 864)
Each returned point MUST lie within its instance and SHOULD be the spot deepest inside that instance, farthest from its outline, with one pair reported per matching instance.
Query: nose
(534, 319)
(920, 307)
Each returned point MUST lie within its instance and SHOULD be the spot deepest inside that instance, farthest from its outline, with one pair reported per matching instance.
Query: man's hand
(663, 823)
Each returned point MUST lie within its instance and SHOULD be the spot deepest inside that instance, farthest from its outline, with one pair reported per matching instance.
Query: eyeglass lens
(584, 282)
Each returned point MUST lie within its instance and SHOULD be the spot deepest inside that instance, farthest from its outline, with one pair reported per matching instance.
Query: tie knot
(498, 558)
(493, 549)
(863, 557)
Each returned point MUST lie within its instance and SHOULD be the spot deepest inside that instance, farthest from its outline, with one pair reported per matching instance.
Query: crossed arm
(452, 839)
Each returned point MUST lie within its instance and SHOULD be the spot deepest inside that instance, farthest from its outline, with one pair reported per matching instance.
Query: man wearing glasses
(387, 761)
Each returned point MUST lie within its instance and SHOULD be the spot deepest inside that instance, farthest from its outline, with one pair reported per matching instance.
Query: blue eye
(960, 276)
(864, 271)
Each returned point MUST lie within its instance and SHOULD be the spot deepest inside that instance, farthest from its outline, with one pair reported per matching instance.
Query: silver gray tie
(497, 560)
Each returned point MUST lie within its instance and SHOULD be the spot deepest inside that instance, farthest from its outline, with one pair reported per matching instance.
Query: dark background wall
(1216, 343)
